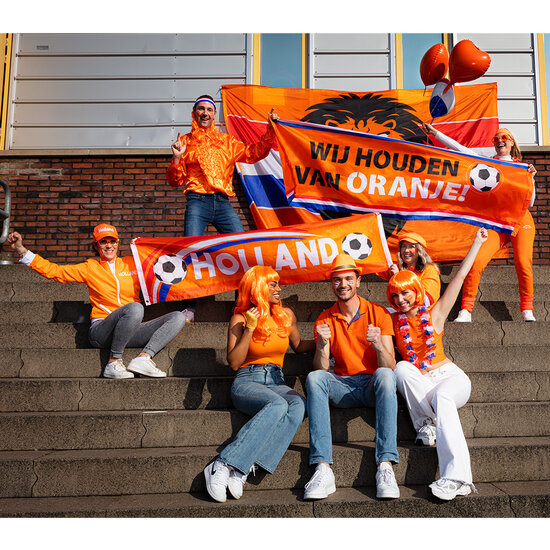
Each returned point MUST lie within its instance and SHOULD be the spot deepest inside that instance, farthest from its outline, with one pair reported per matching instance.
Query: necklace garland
(427, 328)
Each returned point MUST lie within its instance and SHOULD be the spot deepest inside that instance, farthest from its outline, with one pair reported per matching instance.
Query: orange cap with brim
(343, 262)
(412, 238)
(104, 230)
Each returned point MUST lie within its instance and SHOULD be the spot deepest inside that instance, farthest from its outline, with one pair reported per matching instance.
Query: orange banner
(359, 172)
(189, 267)
(397, 113)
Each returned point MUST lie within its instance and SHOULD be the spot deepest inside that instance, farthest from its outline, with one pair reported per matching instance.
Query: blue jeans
(203, 210)
(371, 390)
(277, 412)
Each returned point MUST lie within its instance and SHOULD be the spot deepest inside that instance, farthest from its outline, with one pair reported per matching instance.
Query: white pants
(437, 395)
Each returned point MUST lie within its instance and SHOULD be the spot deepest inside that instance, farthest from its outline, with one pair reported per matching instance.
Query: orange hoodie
(207, 165)
(108, 291)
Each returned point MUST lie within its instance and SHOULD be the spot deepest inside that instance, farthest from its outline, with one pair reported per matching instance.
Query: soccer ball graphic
(170, 269)
(357, 245)
(484, 178)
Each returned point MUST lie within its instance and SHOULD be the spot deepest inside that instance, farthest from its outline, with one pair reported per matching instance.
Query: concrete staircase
(75, 444)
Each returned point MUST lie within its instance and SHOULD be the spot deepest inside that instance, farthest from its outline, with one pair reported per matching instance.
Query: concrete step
(95, 394)
(180, 469)
(206, 335)
(206, 362)
(195, 428)
(529, 499)
(32, 313)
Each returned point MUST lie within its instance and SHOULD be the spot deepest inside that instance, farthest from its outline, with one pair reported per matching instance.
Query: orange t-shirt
(348, 343)
(207, 165)
(263, 351)
(418, 340)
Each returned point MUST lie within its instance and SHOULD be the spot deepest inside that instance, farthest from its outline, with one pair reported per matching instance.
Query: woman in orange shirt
(412, 255)
(117, 314)
(506, 149)
(434, 387)
(258, 337)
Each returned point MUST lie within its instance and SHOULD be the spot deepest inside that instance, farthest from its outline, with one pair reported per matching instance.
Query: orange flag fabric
(397, 113)
(340, 168)
(189, 267)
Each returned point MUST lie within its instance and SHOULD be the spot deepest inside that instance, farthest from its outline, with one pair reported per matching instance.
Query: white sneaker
(386, 486)
(217, 478)
(426, 434)
(527, 315)
(464, 316)
(145, 366)
(447, 489)
(116, 369)
(189, 315)
(237, 480)
(321, 484)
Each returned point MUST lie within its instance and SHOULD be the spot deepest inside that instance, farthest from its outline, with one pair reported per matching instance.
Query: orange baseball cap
(104, 230)
(343, 262)
(412, 238)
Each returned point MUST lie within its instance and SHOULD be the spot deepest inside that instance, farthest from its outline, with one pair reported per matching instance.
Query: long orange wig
(254, 291)
(405, 280)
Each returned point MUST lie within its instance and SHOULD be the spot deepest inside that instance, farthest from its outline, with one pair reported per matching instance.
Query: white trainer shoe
(237, 480)
(447, 489)
(146, 367)
(527, 315)
(116, 370)
(464, 316)
(217, 478)
(386, 486)
(426, 434)
(321, 484)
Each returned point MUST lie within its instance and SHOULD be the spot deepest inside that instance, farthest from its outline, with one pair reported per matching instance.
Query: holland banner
(395, 113)
(189, 267)
(338, 168)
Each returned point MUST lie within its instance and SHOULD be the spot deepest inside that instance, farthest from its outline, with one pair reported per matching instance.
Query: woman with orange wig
(434, 387)
(260, 331)
(507, 150)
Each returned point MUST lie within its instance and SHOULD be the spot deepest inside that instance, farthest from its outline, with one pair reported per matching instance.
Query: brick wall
(56, 201)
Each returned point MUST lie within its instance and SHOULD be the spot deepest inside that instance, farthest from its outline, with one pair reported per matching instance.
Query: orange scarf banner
(396, 113)
(189, 267)
(341, 168)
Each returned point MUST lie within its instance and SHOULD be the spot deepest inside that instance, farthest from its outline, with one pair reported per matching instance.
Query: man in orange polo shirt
(357, 335)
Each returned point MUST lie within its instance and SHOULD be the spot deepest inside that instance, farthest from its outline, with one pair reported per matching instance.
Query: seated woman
(258, 337)
(117, 313)
(506, 149)
(433, 386)
(412, 255)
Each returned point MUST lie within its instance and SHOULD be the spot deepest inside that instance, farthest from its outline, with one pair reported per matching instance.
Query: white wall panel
(354, 62)
(514, 69)
(116, 90)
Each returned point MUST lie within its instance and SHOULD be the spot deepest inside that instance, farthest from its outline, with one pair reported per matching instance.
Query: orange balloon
(434, 64)
(467, 62)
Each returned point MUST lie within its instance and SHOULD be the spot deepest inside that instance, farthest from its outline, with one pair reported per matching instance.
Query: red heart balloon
(434, 64)
(467, 62)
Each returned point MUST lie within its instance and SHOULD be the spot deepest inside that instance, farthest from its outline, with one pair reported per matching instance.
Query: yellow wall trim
(399, 61)
(5, 63)
(257, 59)
(543, 90)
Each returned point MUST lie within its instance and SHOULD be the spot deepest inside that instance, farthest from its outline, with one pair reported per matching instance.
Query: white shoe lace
(117, 365)
(386, 476)
(317, 479)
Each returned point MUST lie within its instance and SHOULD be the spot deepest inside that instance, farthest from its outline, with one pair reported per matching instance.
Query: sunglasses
(105, 242)
(502, 137)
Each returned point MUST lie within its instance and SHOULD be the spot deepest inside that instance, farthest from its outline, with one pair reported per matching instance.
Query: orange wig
(254, 291)
(405, 280)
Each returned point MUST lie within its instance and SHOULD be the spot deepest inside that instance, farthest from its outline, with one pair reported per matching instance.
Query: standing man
(358, 336)
(203, 162)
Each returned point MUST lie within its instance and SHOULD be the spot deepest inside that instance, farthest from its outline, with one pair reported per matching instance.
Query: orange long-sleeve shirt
(208, 162)
(108, 290)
